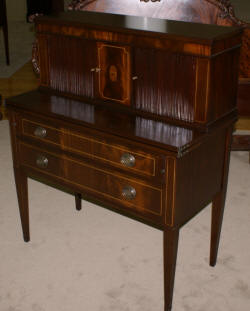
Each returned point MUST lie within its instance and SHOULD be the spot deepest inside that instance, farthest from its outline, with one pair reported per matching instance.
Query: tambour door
(67, 64)
(165, 83)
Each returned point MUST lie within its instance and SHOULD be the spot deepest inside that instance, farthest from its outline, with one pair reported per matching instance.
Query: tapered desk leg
(22, 196)
(219, 204)
(78, 199)
(170, 246)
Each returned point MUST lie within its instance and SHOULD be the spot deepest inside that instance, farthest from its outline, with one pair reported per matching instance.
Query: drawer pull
(129, 193)
(42, 161)
(40, 132)
(128, 160)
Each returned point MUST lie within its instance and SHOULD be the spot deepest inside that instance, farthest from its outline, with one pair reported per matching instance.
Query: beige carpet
(21, 37)
(96, 260)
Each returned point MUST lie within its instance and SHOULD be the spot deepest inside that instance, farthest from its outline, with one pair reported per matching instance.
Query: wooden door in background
(44, 6)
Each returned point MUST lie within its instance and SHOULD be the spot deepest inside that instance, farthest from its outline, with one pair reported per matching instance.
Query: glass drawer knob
(129, 193)
(128, 160)
(40, 132)
(42, 161)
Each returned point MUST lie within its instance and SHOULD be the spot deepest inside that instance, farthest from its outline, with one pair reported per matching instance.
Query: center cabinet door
(114, 73)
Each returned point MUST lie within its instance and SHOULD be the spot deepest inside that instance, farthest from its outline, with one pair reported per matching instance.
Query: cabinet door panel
(70, 64)
(166, 83)
(114, 74)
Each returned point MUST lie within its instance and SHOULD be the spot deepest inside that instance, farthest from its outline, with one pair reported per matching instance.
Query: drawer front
(126, 191)
(115, 188)
(41, 131)
(109, 153)
(119, 156)
(36, 158)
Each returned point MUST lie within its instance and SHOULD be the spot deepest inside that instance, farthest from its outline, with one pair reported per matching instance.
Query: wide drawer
(100, 149)
(116, 188)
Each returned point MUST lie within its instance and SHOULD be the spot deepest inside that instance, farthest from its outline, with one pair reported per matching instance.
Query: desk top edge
(147, 25)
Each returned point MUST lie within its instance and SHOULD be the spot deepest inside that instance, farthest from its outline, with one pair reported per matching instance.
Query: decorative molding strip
(227, 11)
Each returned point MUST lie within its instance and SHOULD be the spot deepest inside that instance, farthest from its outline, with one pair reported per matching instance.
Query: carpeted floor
(100, 261)
(21, 37)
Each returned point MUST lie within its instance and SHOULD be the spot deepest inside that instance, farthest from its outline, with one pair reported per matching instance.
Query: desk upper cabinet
(174, 70)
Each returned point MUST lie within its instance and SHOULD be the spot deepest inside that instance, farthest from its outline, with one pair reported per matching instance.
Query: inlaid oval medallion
(113, 73)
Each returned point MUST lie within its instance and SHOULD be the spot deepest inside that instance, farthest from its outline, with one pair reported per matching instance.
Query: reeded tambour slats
(166, 83)
(70, 63)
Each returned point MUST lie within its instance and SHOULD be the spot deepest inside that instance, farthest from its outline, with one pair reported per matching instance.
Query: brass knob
(128, 193)
(42, 161)
(40, 132)
(134, 78)
(128, 160)
(96, 69)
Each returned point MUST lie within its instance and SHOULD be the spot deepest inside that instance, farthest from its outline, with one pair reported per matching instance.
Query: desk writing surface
(147, 24)
(171, 137)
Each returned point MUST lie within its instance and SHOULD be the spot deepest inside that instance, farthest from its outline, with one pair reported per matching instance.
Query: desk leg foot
(217, 218)
(21, 181)
(170, 246)
(78, 200)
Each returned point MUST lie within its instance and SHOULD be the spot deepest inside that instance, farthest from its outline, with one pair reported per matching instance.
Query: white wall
(16, 10)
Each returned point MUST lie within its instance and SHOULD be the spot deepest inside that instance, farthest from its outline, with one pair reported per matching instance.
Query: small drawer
(37, 159)
(110, 153)
(41, 131)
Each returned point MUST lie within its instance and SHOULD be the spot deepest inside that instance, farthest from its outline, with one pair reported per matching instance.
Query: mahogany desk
(142, 125)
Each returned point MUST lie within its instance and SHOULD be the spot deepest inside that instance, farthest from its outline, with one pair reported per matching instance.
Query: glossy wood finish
(80, 24)
(124, 158)
(107, 120)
